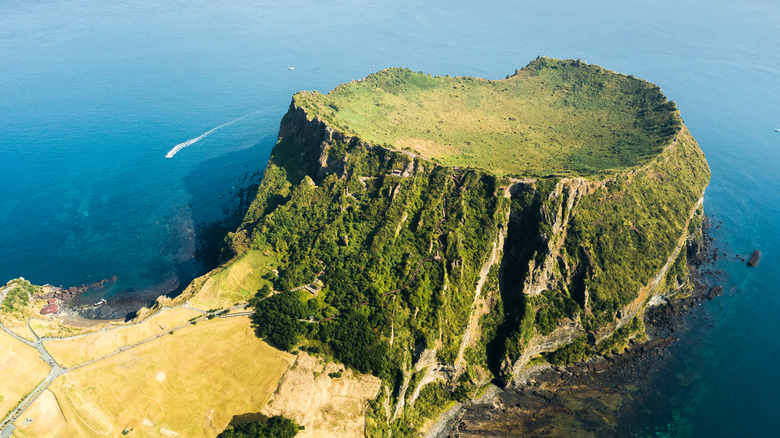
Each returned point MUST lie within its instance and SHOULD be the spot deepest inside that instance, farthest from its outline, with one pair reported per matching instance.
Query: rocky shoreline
(590, 398)
(71, 301)
(67, 294)
(122, 305)
(208, 248)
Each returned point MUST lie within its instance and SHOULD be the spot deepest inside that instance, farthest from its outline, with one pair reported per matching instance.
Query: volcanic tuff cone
(466, 225)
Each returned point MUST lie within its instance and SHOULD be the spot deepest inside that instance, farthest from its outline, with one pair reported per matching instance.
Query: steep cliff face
(607, 245)
(400, 233)
(439, 277)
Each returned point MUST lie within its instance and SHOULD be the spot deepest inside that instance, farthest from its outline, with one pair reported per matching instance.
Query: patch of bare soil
(327, 406)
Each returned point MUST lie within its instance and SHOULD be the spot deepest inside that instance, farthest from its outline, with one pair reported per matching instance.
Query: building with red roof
(50, 309)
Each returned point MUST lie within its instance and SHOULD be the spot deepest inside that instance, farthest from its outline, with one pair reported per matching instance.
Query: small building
(50, 309)
(52, 301)
(313, 290)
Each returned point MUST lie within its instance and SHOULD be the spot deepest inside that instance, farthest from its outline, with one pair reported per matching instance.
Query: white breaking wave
(192, 141)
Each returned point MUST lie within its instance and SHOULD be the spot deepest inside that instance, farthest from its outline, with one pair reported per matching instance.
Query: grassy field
(236, 282)
(190, 383)
(18, 327)
(551, 117)
(47, 327)
(22, 369)
(55, 327)
(47, 417)
(71, 352)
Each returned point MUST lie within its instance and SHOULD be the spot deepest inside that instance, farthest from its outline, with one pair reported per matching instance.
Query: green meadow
(551, 118)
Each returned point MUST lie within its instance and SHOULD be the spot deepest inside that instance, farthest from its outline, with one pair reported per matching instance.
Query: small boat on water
(290, 68)
(777, 130)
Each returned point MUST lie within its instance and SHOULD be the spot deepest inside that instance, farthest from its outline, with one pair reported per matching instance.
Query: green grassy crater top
(553, 117)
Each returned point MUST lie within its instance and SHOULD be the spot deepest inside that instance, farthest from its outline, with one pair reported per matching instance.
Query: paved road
(6, 426)
(56, 370)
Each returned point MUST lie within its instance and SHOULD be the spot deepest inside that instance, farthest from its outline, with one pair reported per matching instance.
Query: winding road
(6, 426)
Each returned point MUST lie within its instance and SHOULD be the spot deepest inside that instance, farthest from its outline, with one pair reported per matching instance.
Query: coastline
(606, 390)
(73, 319)
(117, 307)
(595, 397)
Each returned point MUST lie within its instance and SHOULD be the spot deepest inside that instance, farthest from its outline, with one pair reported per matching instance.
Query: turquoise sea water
(94, 94)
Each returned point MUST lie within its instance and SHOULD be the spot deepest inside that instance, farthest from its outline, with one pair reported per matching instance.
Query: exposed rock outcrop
(67, 294)
(754, 259)
(579, 252)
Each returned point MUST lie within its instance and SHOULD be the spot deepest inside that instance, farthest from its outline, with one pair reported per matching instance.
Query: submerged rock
(715, 292)
(753, 262)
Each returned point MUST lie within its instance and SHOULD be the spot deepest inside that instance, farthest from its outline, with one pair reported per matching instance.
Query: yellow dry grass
(71, 352)
(236, 282)
(56, 329)
(20, 329)
(47, 417)
(22, 370)
(190, 383)
(209, 296)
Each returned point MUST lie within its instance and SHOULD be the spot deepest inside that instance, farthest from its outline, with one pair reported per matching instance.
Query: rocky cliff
(439, 275)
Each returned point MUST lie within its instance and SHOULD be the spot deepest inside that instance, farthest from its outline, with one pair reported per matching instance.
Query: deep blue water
(93, 94)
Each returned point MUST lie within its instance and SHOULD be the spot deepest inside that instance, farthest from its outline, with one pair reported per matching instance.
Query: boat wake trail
(192, 141)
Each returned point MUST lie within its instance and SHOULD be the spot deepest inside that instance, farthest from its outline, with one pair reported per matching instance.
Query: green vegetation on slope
(399, 240)
(631, 226)
(274, 427)
(18, 299)
(617, 240)
(552, 117)
(581, 350)
(399, 256)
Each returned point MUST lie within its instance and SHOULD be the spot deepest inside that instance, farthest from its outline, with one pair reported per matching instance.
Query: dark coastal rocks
(566, 400)
(657, 344)
(67, 294)
(714, 292)
(698, 250)
(754, 259)
(600, 395)
(663, 320)
(121, 306)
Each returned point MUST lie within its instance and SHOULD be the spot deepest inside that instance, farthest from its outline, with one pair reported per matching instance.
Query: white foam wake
(192, 141)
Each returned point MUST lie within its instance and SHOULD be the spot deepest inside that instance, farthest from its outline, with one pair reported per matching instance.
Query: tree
(276, 318)
(274, 427)
(263, 291)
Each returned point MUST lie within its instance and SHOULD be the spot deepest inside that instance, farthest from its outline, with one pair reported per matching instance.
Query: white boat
(290, 68)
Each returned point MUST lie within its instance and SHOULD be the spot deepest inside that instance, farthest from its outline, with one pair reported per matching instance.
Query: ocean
(94, 94)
